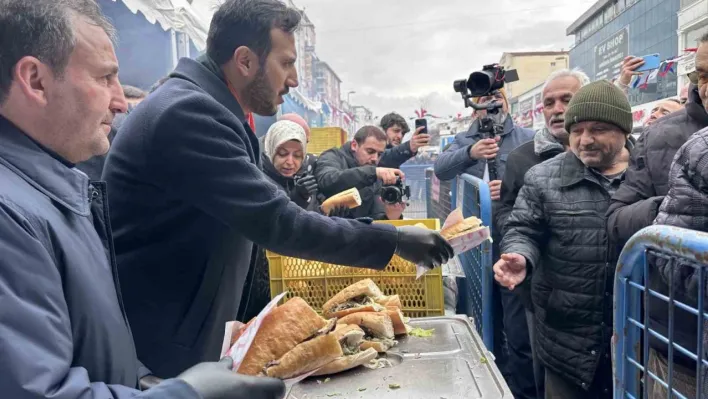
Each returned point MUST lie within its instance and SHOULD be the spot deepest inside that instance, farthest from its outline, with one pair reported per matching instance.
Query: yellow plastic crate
(316, 282)
(324, 138)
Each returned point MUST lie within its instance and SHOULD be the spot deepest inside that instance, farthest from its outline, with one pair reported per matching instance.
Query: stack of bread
(362, 304)
(293, 340)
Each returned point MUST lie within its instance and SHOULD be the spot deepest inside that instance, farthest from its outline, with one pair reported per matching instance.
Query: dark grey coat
(558, 225)
(188, 201)
(63, 332)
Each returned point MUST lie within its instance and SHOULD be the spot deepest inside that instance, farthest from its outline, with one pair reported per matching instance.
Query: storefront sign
(609, 55)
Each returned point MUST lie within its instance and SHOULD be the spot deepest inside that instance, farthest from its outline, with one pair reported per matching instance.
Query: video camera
(485, 83)
(393, 194)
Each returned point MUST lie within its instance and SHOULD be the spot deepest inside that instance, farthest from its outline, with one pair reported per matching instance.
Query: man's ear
(30, 76)
(247, 62)
(355, 145)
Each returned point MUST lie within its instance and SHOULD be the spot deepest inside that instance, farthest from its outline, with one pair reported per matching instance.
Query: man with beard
(556, 232)
(552, 140)
(188, 198)
(636, 205)
(354, 165)
(397, 152)
(470, 151)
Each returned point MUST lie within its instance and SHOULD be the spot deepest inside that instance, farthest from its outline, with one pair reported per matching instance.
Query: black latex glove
(217, 381)
(306, 186)
(340, 211)
(423, 247)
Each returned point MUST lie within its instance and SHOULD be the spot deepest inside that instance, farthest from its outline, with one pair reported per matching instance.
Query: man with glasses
(636, 204)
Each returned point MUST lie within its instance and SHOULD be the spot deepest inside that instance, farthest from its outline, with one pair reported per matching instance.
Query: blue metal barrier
(474, 197)
(416, 180)
(441, 196)
(683, 249)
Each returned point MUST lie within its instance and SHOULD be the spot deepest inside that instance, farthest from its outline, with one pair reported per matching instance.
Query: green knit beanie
(600, 101)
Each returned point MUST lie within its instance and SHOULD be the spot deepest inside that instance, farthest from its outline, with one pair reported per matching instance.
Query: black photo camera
(394, 193)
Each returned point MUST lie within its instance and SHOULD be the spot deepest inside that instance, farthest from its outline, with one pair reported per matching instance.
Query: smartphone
(422, 122)
(651, 61)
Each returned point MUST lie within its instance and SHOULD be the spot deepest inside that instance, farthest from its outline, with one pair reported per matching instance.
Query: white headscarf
(281, 132)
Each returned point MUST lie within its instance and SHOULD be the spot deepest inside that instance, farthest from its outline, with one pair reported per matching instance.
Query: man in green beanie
(557, 231)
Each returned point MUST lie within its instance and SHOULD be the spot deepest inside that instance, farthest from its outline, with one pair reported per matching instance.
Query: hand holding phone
(421, 123)
(651, 61)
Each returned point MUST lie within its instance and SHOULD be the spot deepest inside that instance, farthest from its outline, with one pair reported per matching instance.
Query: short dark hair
(42, 29)
(390, 120)
(248, 23)
(704, 38)
(676, 100)
(369, 131)
(133, 93)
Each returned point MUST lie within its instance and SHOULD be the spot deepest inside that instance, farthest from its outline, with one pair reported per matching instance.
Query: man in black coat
(547, 143)
(188, 198)
(556, 232)
(636, 205)
(397, 152)
(354, 165)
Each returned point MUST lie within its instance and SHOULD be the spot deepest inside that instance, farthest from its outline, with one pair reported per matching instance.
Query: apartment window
(553, 63)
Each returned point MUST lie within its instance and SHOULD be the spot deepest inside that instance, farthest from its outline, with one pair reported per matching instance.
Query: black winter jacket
(558, 225)
(395, 156)
(636, 204)
(685, 205)
(542, 148)
(337, 170)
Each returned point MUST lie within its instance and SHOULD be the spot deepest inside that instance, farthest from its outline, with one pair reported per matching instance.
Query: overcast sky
(397, 53)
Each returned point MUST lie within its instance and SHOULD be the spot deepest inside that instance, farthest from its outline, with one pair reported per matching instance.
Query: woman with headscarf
(285, 148)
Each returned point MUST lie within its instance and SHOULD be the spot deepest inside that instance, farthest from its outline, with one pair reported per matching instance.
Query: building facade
(527, 109)
(362, 117)
(533, 68)
(613, 29)
(693, 23)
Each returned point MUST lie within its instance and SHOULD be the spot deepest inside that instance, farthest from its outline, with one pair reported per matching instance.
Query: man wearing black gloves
(354, 165)
(63, 331)
(397, 152)
(188, 199)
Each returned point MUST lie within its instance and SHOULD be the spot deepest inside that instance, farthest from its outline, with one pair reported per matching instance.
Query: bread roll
(349, 198)
(282, 330)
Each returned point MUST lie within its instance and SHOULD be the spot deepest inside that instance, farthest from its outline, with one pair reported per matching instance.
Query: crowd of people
(567, 199)
(120, 268)
(117, 281)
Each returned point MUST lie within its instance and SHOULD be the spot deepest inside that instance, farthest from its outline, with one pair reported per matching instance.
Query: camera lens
(480, 83)
(391, 195)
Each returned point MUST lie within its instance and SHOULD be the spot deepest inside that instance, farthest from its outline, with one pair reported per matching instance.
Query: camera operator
(397, 152)
(354, 165)
(470, 150)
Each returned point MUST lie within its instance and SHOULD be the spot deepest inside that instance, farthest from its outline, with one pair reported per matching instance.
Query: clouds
(393, 52)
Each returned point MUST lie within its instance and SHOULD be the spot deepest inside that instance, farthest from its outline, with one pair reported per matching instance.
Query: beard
(261, 97)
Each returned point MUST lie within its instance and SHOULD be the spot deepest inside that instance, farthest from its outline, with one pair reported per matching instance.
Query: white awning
(173, 14)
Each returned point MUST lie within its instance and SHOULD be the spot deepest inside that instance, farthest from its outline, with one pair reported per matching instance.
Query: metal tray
(452, 364)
